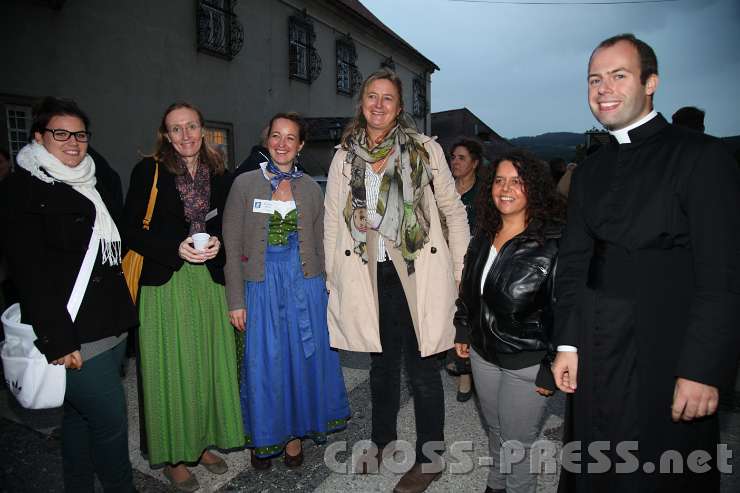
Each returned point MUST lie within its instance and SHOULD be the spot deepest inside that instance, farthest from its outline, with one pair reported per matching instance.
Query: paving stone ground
(30, 450)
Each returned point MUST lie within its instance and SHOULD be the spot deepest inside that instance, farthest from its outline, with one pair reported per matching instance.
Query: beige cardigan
(431, 291)
(245, 231)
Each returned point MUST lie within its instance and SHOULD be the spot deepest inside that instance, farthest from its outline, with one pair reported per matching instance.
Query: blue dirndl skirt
(292, 385)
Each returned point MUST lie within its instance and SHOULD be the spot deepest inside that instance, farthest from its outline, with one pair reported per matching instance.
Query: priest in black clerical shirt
(648, 292)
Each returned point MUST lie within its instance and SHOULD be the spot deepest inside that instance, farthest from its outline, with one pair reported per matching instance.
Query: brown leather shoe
(258, 463)
(292, 461)
(415, 480)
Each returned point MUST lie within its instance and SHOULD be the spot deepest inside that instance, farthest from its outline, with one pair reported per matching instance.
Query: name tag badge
(211, 214)
(261, 206)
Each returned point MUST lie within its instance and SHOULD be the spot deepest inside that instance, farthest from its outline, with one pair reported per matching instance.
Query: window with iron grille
(348, 77)
(420, 97)
(18, 120)
(304, 62)
(219, 31)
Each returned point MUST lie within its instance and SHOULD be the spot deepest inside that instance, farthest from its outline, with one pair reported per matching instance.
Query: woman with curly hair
(504, 312)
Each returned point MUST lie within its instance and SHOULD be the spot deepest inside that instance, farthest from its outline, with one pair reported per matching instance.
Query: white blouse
(282, 206)
(491, 257)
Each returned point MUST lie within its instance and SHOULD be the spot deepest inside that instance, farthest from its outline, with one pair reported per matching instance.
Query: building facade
(239, 62)
(451, 125)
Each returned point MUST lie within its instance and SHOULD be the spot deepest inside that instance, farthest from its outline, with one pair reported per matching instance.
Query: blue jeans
(95, 426)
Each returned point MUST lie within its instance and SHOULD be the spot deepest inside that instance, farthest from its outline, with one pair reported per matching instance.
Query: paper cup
(200, 240)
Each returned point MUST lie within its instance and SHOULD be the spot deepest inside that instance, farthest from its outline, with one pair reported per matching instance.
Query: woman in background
(466, 158)
(187, 350)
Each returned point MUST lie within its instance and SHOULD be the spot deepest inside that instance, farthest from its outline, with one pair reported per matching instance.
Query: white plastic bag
(34, 382)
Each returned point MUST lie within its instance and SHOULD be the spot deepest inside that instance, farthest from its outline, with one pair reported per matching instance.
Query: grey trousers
(512, 410)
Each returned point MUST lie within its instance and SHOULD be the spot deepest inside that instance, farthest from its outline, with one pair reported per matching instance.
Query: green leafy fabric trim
(333, 426)
(280, 227)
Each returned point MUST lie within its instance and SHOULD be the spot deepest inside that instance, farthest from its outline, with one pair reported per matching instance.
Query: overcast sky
(522, 68)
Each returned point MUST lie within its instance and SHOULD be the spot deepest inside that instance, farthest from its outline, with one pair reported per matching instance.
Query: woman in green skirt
(187, 350)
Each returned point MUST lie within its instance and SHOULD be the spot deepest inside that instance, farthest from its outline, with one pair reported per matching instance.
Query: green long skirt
(188, 366)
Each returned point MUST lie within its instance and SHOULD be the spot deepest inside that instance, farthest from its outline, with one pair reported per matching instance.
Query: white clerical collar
(622, 135)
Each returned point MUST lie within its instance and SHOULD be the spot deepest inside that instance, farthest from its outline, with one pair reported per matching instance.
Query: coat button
(434, 249)
(79, 219)
(96, 279)
(347, 253)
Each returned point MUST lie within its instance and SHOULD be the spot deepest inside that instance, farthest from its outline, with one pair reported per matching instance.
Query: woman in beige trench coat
(392, 278)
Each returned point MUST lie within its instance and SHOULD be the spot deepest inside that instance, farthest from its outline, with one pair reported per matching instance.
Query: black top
(168, 227)
(669, 203)
(510, 323)
(47, 229)
(468, 200)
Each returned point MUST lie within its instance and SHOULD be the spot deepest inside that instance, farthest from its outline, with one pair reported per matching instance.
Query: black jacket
(168, 227)
(514, 313)
(666, 207)
(47, 229)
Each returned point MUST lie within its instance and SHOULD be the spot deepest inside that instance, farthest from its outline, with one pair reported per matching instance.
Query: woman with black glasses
(64, 252)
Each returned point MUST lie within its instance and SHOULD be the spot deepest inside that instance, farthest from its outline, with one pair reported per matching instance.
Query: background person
(558, 168)
(390, 273)
(466, 157)
(52, 205)
(689, 117)
(292, 385)
(8, 293)
(563, 185)
(4, 164)
(504, 314)
(187, 350)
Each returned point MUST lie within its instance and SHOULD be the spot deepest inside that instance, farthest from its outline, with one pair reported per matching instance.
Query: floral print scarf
(402, 220)
(195, 193)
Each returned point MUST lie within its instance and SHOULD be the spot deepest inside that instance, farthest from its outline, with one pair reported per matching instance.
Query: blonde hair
(359, 122)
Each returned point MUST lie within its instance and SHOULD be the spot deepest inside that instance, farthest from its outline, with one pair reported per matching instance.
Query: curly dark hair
(543, 201)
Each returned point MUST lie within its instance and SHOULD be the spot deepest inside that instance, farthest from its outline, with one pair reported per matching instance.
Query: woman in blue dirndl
(291, 382)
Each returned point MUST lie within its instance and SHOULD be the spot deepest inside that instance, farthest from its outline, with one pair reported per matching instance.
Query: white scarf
(34, 158)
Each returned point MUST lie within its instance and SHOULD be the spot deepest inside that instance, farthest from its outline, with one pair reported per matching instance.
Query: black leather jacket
(514, 313)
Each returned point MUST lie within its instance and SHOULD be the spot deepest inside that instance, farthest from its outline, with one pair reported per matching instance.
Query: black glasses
(62, 135)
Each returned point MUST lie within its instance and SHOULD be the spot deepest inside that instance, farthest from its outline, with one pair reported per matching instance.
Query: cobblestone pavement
(30, 450)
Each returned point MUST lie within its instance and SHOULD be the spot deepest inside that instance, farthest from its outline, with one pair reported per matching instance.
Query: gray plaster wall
(125, 62)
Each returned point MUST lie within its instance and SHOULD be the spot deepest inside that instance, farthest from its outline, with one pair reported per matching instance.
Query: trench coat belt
(611, 270)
